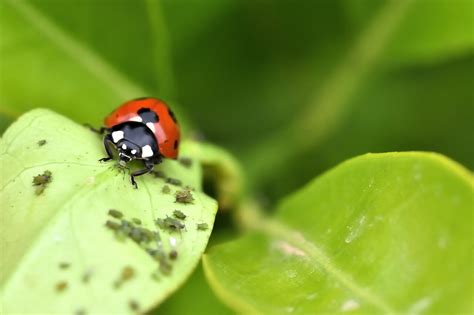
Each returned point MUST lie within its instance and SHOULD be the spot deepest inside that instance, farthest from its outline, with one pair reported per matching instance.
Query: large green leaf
(381, 233)
(64, 224)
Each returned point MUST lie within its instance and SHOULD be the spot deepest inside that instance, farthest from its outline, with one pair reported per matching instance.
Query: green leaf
(381, 233)
(195, 295)
(65, 223)
(432, 31)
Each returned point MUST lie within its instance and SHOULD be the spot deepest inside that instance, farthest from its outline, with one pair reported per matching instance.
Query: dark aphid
(127, 273)
(174, 224)
(86, 276)
(115, 214)
(202, 226)
(136, 235)
(147, 235)
(184, 196)
(166, 189)
(61, 286)
(179, 215)
(186, 162)
(112, 225)
(41, 142)
(40, 181)
(137, 221)
(80, 311)
(173, 254)
(64, 265)
(134, 305)
(174, 181)
(158, 174)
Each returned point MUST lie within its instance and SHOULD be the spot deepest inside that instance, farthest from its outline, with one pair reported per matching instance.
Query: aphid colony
(149, 240)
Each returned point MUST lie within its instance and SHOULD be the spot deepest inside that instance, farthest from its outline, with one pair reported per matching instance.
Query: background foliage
(292, 88)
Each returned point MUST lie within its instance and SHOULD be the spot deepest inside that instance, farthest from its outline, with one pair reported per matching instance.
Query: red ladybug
(142, 129)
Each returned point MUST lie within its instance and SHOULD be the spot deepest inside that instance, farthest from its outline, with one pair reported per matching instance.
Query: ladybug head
(127, 151)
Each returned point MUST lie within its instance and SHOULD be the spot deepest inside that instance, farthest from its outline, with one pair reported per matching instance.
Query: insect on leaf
(89, 218)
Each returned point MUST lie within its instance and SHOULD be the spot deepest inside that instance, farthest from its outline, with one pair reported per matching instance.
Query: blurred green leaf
(432, 31)
(60, 47)
(381, 233)
(412, 109)
(65, 223)
(195, 296)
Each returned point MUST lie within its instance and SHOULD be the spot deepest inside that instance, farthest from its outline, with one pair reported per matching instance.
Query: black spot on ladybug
(172, 115)
(175, 144)
(148, 115)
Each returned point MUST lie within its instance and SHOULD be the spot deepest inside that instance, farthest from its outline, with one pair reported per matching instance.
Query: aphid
(147, 235)
(137, 221)
(136, 235)
(126, 274)
(86, 276)
(41, 142)
(166, 189)
(202, 226)
(174, 181)
(159, 174)
(184, 196)
(134, 305)
(64, 265)
(173, 254)
(179, 215)
(61, 286)
(80, 311)
(186, 162)
(143, 129)
(40, 181)
(112, 225)
(174, 224)
(115, 214)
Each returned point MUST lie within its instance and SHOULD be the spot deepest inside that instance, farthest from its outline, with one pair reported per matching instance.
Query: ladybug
(141, 129)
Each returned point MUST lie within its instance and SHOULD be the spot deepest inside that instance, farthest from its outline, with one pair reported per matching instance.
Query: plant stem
(95, 64)
(161, 50)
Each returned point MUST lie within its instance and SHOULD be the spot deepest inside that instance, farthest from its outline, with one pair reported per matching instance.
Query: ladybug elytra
(142, 129)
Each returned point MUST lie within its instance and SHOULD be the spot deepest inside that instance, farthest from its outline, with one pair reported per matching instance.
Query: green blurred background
(291, 88)
(243, 71)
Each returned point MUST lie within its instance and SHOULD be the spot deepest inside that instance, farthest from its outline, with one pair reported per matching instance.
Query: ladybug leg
(108, 149)
(100, 131)
(148, 168)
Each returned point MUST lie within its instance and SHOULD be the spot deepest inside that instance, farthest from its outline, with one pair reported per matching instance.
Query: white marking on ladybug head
(136, 118)
(147, 151)
(117, 135)
(151, 126)
(134, 151)
(124, 146)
